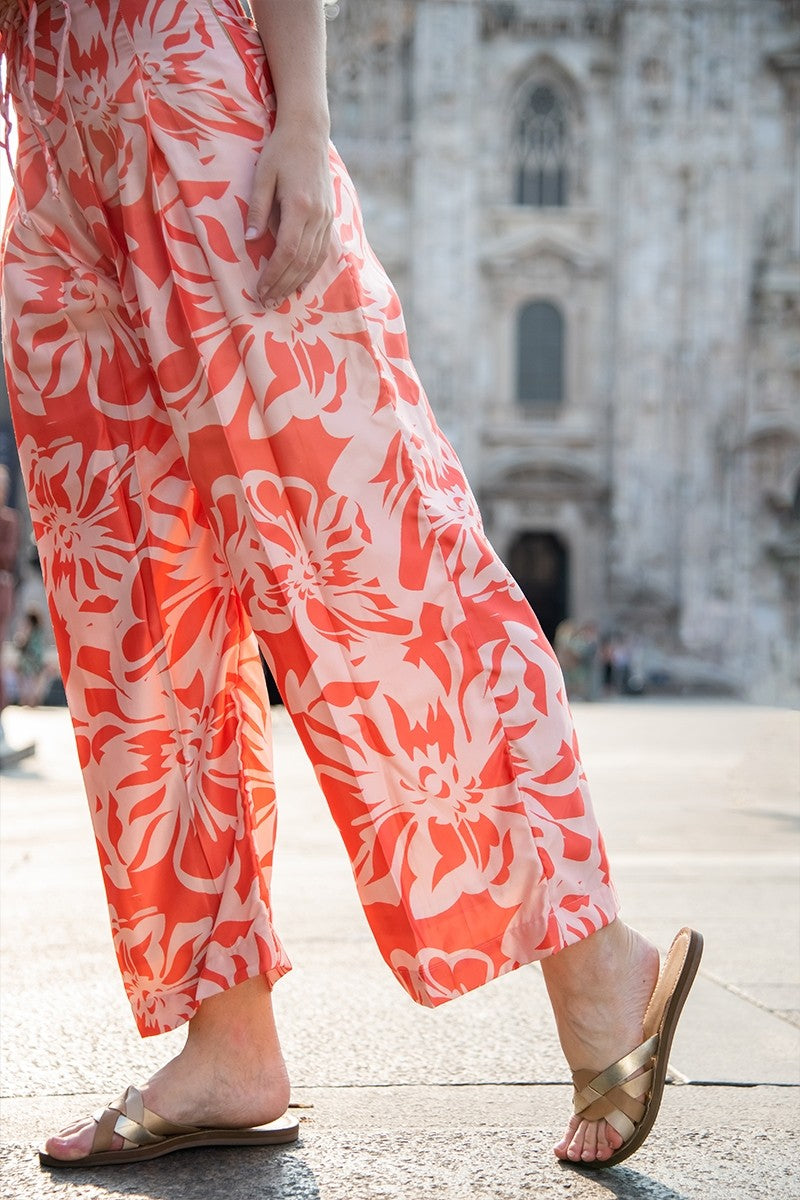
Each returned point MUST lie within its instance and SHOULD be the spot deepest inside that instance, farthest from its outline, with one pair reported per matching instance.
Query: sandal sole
(277, 1133)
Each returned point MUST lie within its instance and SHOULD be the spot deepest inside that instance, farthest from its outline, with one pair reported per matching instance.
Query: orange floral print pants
(207, 478)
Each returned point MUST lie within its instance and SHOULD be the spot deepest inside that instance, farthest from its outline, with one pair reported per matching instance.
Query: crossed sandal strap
(615, 1096)
(137, 1125)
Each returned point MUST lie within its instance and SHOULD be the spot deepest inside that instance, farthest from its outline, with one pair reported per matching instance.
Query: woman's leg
(164, 684)
(599, 988)
(230, 1073)
(161, 671)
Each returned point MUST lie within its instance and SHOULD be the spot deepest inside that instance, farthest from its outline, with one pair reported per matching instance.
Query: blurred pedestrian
(566, 653)
(222, 436)
(585, 647)
(577, 646)
(615, 661)
(9, 545)
(32, 674)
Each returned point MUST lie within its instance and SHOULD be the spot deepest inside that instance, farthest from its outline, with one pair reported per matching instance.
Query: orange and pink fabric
(207, 478)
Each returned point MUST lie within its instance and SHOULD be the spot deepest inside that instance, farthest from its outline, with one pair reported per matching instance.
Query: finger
(316, 258)
(301, 219)
(310, 256)
(321, 251)
(262, 201)
(288, 263)
(278, 289)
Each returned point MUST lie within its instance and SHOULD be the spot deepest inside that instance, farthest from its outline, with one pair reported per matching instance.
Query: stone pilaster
(444, 227)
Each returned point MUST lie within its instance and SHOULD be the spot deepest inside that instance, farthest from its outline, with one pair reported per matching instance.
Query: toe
(615, 1139)
(73, 1142)
(608, 1140)
(575, 1148)
(602, 1148)
(589, 1149)
(561, 1148)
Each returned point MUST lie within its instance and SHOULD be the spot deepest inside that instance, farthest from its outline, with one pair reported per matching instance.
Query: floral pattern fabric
(207, 477)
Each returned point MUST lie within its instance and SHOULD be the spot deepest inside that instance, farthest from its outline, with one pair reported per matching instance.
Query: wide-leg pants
(207, 477)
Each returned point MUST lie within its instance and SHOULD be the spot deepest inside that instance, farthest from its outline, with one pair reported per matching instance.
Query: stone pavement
(699, 804)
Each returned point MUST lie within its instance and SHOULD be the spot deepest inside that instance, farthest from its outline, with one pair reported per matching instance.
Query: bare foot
(599, 989)
(230, 1073)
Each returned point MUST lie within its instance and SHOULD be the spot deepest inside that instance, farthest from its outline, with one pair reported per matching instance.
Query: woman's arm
(293, 191)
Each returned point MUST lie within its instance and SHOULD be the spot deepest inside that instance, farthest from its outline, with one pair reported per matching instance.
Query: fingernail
(251, 232)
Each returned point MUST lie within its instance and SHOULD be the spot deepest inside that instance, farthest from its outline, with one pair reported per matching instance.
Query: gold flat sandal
(146, 1135)
(627, 1100)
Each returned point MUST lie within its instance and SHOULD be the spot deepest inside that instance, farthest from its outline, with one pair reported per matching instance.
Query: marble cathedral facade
(591, 210)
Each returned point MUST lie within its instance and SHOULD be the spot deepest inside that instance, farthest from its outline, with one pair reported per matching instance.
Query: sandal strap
(623, 1106)
(624, 1067)
(135, 1124)
(617, 1094)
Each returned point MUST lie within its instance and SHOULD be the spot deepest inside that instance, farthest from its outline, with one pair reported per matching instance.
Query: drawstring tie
(16, 16)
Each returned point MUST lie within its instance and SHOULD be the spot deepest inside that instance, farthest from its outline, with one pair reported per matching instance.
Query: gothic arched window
(540, 356)
(541, 145)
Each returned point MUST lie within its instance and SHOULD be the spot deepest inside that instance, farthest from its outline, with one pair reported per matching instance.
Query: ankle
(203, 1086)
(593, 957)
(236, 1024)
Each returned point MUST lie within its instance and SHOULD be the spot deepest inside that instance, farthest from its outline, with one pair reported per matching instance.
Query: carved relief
(655, 79)
(546, 18)
(546, 136)
(369, 72)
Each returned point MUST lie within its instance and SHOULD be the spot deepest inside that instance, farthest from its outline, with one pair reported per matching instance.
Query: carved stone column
(444, 226)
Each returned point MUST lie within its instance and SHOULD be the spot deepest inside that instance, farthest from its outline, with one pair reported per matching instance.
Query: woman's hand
(292, 197)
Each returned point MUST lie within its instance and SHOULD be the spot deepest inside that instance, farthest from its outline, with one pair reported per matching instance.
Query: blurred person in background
(9, 545)
(32, 674)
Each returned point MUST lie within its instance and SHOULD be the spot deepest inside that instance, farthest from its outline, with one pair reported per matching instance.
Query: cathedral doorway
(540, 564)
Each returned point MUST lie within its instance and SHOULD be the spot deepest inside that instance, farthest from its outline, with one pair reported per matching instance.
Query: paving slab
(461, 1144)
(700, 808)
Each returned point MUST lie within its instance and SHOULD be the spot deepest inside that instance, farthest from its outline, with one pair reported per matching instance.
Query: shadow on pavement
(628, 1184)
(278, 1174)
(201, 1175)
